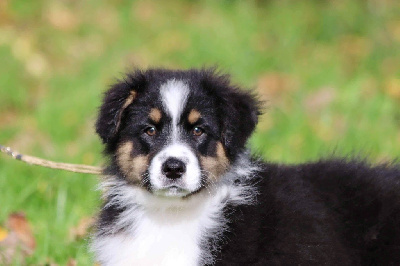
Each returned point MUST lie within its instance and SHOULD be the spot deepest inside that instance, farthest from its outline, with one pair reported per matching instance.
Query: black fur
(114, 99)
(324, 213)
(330, 212)
(238, 110)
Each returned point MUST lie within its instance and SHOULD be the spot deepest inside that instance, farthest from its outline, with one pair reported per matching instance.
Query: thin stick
(77, 168)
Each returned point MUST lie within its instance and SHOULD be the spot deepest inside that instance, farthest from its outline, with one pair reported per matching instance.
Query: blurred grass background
(329, 69)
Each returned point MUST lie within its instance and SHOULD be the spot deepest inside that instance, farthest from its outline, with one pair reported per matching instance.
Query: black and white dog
(181, 188)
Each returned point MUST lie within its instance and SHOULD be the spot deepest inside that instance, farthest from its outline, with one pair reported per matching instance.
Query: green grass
(328, 68)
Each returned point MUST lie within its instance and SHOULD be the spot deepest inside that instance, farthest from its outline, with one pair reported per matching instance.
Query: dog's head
(175, 132)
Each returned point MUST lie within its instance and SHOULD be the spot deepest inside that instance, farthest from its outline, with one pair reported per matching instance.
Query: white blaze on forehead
(174, 94)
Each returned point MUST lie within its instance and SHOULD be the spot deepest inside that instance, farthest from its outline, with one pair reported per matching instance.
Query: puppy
(181, 188)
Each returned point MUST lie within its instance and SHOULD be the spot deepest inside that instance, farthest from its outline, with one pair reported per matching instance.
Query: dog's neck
(178, 229)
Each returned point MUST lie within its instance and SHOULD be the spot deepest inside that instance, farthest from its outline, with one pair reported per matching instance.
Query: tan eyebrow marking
(194, 116)
(155, 115)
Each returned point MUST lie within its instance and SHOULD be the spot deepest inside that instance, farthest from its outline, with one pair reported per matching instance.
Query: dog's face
(175, 132)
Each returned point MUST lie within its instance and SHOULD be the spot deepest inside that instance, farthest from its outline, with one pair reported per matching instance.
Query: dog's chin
(173, 192)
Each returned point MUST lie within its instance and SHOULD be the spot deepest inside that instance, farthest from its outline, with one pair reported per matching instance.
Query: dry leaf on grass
(18, 223)
(82, 228)
(392, 88)
(276, 87)
(320, 99)
(18, 241)
(72, 262)
(61, 17)
(144, 10)
(3, 233)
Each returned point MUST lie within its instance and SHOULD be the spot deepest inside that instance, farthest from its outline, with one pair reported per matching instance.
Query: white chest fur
(154, 244)
(164, 236)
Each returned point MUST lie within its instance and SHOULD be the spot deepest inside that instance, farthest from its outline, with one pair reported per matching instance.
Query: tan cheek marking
(194, 116)
(132, 167)
(140, 164)
(155, 115)
(218, 165)
(221, 152)
(124, 157)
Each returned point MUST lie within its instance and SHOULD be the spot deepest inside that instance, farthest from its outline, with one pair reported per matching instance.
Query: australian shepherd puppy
(182, 189)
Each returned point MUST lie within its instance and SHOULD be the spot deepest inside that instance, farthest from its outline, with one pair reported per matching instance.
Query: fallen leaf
(144, 10)
(61, 17)
(392, 88)
(72, 262)
(355, 46)
(10, 249)
(8, 117)
(3, 233)
(5, 14)
(18, 223)
(274, 87)
(17, 241)
(82, 228)
(23, 47)
(394, 30)
(36, 65)
(318, 100)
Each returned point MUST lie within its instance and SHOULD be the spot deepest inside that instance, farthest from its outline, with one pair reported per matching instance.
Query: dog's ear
(238, 111)
(115, 102)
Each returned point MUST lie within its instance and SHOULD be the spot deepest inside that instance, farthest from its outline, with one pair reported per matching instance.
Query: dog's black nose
(173, 168)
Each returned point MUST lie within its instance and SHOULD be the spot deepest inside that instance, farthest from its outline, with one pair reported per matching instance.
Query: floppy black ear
(115, 102)
(238, 111)
(242, 110)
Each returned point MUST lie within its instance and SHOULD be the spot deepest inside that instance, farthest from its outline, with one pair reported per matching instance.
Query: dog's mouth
(172, 191)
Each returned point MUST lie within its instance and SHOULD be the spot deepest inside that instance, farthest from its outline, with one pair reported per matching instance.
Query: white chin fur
(172, 192)
(190, 180)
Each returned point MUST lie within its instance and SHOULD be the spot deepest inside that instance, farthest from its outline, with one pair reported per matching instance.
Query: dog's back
(330, 212)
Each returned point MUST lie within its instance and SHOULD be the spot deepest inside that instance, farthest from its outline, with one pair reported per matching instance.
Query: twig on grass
(77, 168)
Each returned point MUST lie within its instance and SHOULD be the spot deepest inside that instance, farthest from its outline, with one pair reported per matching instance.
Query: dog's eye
(198, 131)
(151, 131)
